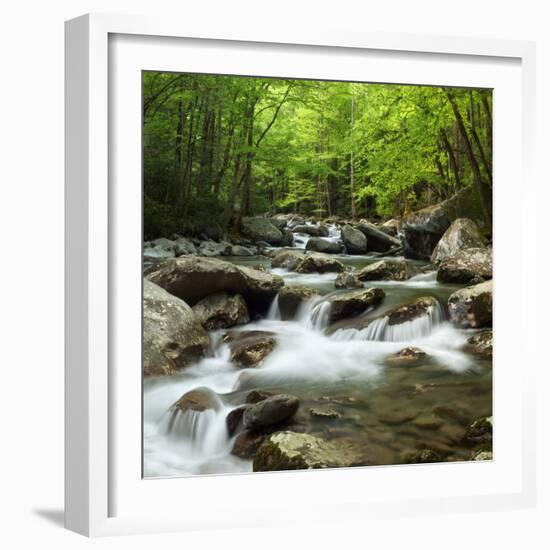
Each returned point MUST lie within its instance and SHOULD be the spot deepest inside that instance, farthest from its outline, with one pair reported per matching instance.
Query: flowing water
(385, 407)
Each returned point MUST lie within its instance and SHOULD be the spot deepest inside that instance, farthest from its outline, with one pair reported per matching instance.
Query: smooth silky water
(384, 408)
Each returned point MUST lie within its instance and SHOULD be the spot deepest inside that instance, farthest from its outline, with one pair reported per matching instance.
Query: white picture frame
(105, 493)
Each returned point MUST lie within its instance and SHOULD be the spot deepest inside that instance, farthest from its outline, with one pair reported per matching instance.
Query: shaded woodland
(219, 148)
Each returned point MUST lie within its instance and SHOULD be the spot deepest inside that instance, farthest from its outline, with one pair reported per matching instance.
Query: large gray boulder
(387, 270)
(164, 243)
(462, 234)
(193, 278)
(287, 259)
(391, 227)
(317, 244)
(261, 229)
(211, 249)
(295, 220)
(291, 297)
(183, 247)
(270, 411)
(350, 304)
(159, 249)
(355, 241)
(155, 253)
(472, 307)
(466, 266)
(299, 451)
(239, 250)
(347, 279)
(221, 310)
(377, 241)
(319, 263)
(421, 230)
(280, 221)
(312, 230)
(173, 336)
(249, 348)
(288, 238)
(412, 310)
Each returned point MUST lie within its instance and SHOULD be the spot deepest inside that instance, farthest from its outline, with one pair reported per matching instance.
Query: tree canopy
(225, 147)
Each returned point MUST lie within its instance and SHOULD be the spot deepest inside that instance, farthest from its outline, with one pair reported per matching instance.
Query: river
(386, 408)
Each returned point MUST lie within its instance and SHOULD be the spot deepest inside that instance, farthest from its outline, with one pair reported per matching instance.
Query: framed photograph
(292, 270)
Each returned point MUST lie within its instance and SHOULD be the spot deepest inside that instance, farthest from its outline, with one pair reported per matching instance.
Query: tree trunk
(482, 189)
(452, 160)
(351, 160)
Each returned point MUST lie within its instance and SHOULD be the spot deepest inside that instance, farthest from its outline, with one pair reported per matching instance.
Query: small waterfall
(204, 432)
(314, 314)
(274, 313)
(381, 331)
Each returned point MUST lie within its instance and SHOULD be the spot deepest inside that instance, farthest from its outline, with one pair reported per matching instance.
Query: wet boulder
(319, 263)
(299, 451)
(347, 279)
(193, 278)
(466, 266)
(261, 229)
(377, 240)
(462, 234)
(239, 250)
(173, 337)
(317, 244)
(295, 220)
(480, 432)
(472, 307)
(221, 310)
(287, 259)
(481, 344)
(199, 399)
(183, 247)
(354, 240)
(311, 230)
(350, 304)
(270, 411)
(248, 349)
(420, 307)
(421, 230)
(425, 305)
(288, 238)
(387, 270)
(291, 298)
(211, 249)
(255, 396)
(280, 221)
(234, 418)
(159, 249)
(247, 443)
(391, 227)
(407, 356)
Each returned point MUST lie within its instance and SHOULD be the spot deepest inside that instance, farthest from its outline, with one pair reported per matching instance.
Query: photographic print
(317, 288)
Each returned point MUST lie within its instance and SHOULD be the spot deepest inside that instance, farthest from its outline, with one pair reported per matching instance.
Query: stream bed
(347, 388)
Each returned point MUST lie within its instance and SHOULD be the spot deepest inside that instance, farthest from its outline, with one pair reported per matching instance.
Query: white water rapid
(307, 362)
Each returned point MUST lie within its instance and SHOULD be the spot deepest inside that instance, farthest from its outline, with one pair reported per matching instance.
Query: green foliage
(219, 147)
